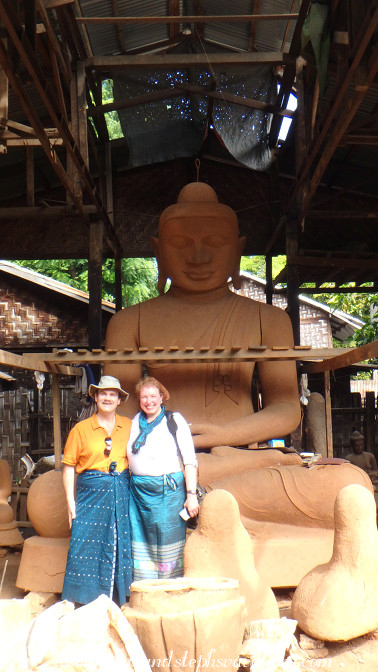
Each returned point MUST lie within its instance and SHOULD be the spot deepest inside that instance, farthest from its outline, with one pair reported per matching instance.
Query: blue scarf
(145, 428)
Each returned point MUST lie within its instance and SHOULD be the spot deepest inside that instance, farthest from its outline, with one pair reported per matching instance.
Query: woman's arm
(191, 502)
(69, 489)
(189, 462)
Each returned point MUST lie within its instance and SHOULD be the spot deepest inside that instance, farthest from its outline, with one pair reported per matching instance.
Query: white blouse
(159, 455)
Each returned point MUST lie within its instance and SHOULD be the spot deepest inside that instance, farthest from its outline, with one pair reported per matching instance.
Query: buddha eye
(215, 240)
(179, 242)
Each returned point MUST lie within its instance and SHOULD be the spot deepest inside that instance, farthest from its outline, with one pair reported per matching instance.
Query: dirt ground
(357, 654)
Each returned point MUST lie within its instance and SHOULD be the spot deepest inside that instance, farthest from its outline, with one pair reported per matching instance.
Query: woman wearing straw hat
(163, 469)
(99, 557)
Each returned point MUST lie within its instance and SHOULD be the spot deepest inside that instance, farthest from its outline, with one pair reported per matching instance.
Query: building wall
(26, 420)
(27, 318)
(314, 323)
(33, 318)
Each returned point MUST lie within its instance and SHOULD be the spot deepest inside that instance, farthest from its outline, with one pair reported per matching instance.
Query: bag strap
(172, 426)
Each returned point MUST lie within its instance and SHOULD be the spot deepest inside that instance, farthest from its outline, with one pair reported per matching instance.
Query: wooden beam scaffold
(65, 362)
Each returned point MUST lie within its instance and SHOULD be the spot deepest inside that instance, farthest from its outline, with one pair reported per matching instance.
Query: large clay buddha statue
(199, 249)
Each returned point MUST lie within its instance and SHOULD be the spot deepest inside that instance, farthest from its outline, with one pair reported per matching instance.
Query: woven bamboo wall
(27, 318)
(14, 427)
(314, 323)
(26, 424)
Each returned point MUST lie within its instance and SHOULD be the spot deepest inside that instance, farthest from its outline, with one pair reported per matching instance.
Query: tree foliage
(257, 265)
(139, 283)
(362, 306)
(139, 276)
(112, 119)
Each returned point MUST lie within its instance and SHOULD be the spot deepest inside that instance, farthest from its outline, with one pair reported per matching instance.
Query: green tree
(257, 265)
(138, 276)
(363, 306)
(112, 119)
(139, 280)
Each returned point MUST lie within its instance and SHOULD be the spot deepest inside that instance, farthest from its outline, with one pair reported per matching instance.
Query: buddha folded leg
(291, 494)
(229, 460)
(288, 511)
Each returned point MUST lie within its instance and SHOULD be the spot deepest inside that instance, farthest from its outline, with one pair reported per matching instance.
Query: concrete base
(43, 564)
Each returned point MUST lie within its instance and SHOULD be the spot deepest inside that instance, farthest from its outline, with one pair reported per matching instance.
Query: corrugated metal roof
(270, 34)
(104, 39)
(232, 35)
(348, 166)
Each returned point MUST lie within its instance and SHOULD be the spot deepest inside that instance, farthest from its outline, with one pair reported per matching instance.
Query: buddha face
(357, 445)
(198, 254)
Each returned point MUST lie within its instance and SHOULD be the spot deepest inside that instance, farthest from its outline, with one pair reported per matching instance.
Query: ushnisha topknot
(197, 199)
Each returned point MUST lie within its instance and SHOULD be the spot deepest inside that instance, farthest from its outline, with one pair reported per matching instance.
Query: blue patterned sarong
(99, 557)
(157, 530)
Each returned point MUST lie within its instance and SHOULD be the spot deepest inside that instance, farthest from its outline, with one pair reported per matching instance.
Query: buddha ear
(162, 276)
(236, 272)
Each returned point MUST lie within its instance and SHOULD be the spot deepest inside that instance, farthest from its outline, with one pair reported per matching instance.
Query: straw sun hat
(108, 383)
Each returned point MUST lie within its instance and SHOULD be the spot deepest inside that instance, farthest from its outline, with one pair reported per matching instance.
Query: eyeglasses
(108, 446)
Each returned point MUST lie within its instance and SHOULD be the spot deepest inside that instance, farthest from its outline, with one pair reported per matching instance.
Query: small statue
(9, 532)
(360, 457)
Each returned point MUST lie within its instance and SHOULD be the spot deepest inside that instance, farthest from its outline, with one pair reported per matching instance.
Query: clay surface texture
(339, 600)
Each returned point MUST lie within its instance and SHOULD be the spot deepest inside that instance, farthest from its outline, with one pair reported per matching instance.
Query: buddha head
(357, 442)
(198, 246)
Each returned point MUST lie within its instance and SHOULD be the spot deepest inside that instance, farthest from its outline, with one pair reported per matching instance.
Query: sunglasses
(108, 446)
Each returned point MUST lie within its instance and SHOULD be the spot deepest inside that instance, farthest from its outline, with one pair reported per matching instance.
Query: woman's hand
(69, 489)
(191, 505)
(71, 508)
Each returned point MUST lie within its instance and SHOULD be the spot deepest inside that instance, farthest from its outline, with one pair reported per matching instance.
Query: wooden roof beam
(359, 139)
(328, 261)
(120, 36)
(50, 212)
(23, 48)
(190, 88)
(80, 49)
(166, 61)
(284, 39)
(174, 29)
(61, 58)
(4, 104)
(354, 356)
(252, 32)
(38, 128)
(188, 354)
(342, 214)
(288, 78)
(34, 362)
(212, 18)
(346, 114)
(52, 4)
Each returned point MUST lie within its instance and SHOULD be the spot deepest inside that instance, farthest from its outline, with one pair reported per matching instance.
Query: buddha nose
(199, 254)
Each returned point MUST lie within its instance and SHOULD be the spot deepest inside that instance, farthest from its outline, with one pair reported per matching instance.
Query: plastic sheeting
(175, 127)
